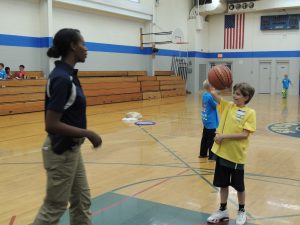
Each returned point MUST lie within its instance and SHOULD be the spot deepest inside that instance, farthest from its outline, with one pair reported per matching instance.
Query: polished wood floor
(158, 163)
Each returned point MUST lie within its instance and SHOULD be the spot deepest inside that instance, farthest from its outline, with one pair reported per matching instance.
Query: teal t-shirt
(209, 114)
(2, 74)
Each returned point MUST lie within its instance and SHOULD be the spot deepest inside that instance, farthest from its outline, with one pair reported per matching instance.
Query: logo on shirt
(240, 114)
(204, 112)
(289, 129)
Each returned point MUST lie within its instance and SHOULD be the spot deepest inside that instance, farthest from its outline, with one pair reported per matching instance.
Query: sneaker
(241, 218)
(218, 216)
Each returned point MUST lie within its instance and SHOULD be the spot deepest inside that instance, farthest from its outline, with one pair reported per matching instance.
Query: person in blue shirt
(2, 72)
(210, 121)
(286, 82)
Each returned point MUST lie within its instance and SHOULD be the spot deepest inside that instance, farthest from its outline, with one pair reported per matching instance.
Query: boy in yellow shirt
(236, 123)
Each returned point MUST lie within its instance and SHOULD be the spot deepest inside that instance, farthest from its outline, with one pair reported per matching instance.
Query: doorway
(265, 73)
(202, 75)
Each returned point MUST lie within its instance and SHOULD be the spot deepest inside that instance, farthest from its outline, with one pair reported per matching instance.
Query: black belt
(78, 141)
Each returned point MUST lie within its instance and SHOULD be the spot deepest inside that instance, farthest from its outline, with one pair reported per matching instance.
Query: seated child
(21, 74)
(8, 73)
(2, 72)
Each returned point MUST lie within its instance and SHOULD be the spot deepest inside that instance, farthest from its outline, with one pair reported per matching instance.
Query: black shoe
(202, 156)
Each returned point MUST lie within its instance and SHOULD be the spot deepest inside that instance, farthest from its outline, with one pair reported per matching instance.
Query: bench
(164, 73)
(31, 74)
(111, 73)
(100, 87)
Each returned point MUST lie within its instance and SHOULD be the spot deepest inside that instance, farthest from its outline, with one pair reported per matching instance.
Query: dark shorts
(225, 176)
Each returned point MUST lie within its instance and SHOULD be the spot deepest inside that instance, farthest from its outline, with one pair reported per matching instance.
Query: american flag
(234, 27)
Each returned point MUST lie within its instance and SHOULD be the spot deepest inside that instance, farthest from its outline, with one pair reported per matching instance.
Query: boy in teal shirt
(2, 72)
(210, 121)
(286, 82)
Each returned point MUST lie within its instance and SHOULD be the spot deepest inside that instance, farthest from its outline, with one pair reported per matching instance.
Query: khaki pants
(66, 182)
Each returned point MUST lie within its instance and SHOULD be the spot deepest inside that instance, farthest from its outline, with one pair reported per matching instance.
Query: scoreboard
(280, 22)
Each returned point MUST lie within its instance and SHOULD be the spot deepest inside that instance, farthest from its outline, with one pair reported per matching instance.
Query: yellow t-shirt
(234, 120)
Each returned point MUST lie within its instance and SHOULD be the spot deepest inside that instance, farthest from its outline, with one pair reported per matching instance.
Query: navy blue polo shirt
(66, 95)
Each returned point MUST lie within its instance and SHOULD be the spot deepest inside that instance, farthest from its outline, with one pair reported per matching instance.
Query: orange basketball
(220, 77)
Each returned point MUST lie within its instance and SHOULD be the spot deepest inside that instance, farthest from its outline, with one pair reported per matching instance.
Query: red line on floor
(142, 191)
(161, 182)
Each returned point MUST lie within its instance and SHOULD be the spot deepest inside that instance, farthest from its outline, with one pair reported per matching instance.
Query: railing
(180, 67)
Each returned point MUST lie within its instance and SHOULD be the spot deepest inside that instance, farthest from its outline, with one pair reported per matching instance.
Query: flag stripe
(242, 32)
(236, 25)
(225, 39)
(240, 28)
(232, 38)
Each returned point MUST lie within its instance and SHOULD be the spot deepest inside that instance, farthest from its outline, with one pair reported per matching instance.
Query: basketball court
(141, 54)
(146, 175)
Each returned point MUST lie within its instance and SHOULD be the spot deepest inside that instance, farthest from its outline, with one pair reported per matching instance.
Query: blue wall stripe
(24, 41)
(258, 54)
(166, 52)
(98, 47)
(45, 42)
(195, 54)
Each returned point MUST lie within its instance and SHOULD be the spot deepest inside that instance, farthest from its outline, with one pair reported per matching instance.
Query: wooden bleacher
(20, 96)
(100, 87)
(102, 73)
(164, 73)
(32, 74)
(104, 90)
(111, 73)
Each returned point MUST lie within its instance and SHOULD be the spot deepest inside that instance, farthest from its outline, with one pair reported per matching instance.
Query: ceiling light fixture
(230, 6)
(251, 5)
(244, 5)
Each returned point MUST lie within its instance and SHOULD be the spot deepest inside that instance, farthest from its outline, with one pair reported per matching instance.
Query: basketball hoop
(174, 37)
(153, 43)
(177, 35)
(183, 46)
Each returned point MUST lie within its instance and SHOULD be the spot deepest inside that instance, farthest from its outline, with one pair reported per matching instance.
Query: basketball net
(182, 47)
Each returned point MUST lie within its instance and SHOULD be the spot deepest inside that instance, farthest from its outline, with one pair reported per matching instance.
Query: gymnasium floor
(151, 175)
